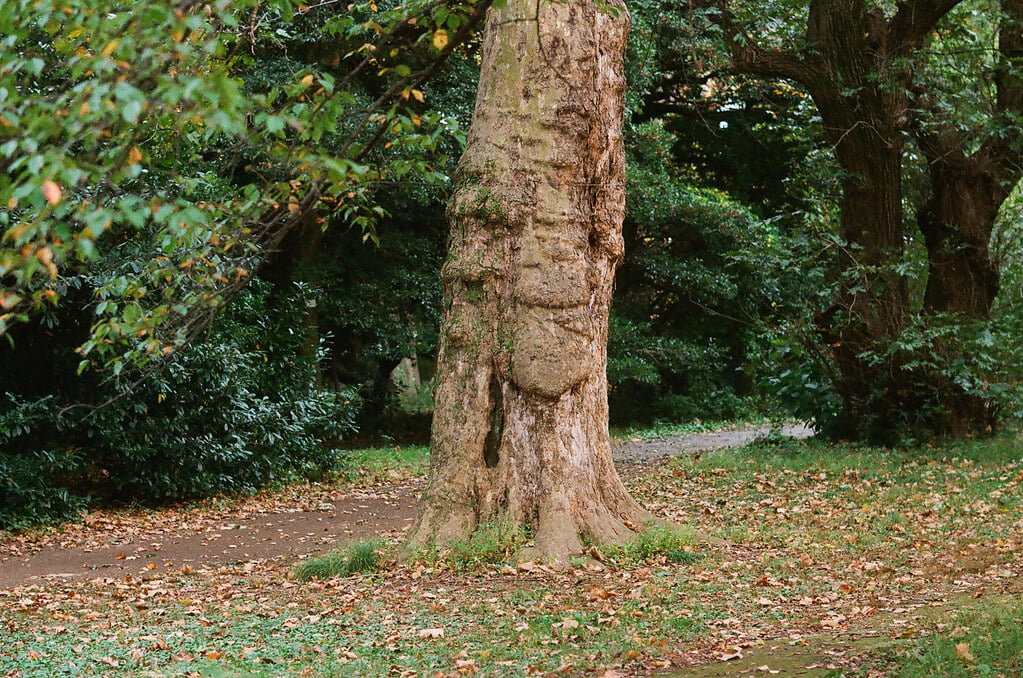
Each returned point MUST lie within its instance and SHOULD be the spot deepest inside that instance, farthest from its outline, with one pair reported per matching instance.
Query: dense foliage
(156, 155)
(236, 409)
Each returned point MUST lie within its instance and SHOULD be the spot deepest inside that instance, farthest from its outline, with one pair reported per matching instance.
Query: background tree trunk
(956, 223)
(520, 431)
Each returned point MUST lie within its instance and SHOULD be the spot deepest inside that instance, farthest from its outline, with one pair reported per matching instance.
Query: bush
(702, 275)
(28, 493)
(232, 412)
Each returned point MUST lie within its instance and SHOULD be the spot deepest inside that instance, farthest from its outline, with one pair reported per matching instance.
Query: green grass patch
(673, 544)
(983, 642)
(359, 558)
(387, 463)
(662, 430)
(490, 544)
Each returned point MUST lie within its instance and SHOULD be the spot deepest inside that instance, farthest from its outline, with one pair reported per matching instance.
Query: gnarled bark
(520, 427)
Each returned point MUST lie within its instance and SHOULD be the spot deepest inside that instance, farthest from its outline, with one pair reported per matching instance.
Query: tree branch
(748, 57)
(913, 22)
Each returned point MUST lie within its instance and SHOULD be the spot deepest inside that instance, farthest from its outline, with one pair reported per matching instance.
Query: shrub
(236, 410)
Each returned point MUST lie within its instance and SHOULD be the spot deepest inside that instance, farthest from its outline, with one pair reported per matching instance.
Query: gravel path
(646, 450)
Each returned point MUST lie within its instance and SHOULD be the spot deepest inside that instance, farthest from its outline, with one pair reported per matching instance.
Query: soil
(103, 548)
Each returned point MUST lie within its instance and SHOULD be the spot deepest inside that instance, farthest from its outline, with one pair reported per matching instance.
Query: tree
(864, 69)
(972, 172)
(520, 431)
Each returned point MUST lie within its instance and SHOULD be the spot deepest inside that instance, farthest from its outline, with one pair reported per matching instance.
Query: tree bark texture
(520, 431)
(956, 222)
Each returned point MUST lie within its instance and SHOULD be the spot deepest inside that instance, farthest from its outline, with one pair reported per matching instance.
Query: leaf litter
(808, 560)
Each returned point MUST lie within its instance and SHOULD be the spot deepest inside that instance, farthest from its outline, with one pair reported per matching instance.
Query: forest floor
(817, 560)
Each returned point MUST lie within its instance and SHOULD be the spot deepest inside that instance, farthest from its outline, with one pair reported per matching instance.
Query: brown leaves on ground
(796, 554)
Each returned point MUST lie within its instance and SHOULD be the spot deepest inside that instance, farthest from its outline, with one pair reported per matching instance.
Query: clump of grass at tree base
(358, 558)
(656, 541)
(490, 544)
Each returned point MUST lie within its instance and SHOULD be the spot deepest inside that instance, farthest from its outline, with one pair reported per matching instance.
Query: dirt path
(107, 549)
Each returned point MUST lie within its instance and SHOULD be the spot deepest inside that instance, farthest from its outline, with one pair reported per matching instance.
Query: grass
(662, 430)
(490, 544)
(812, 532)
(379, 464)
(669, 544)
(987, 641)
(358, 558)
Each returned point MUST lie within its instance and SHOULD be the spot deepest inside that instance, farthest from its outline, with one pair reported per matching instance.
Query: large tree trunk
(861, 107)
(968, 188)
(872, 302)
(520, 431)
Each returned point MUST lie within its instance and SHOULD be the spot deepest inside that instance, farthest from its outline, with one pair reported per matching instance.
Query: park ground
(791, 558)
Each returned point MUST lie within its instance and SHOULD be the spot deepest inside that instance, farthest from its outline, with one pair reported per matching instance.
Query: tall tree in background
(520, 431)
(865, 70)
(972, 173)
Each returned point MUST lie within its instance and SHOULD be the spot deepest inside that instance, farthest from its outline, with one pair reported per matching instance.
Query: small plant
(490, 544)
(358, 558)
(673, 544)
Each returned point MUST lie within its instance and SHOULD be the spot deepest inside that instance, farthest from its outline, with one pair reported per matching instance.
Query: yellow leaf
(418, 96)
(111, 46)
(51, 191)
(134, 155)
(307, 80)
(440, 39)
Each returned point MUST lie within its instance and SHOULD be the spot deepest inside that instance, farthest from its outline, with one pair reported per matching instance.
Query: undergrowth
(358, 558)
(656, 542)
